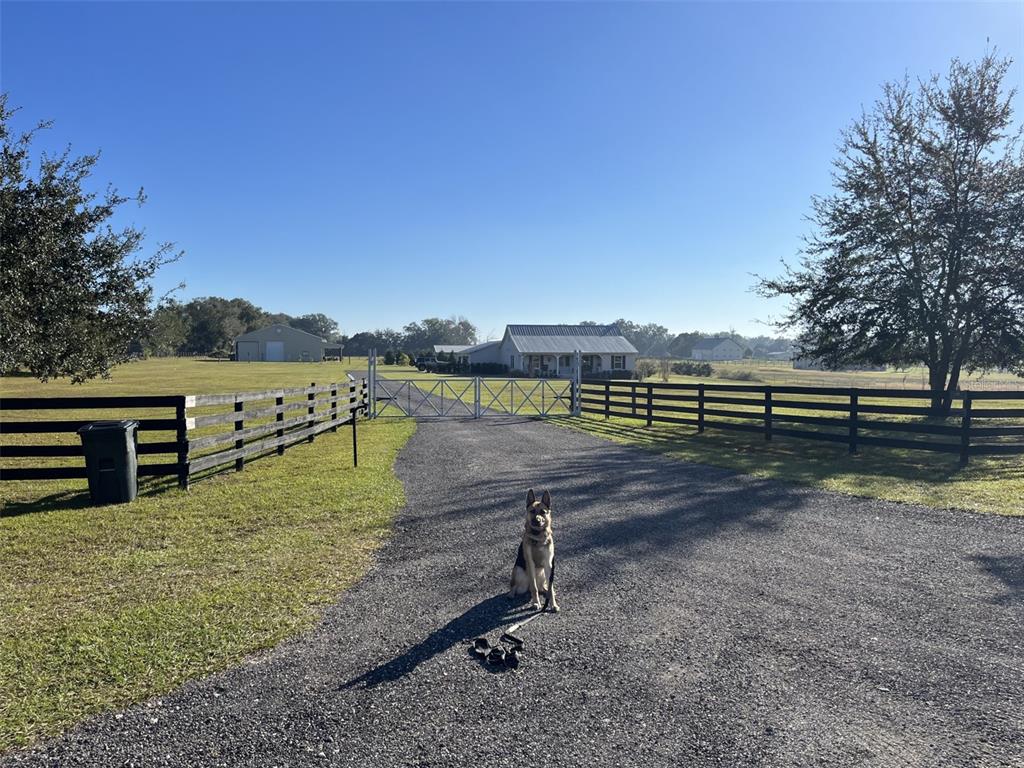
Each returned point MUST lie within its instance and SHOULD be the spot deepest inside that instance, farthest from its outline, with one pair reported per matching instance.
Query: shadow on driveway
(482, 618)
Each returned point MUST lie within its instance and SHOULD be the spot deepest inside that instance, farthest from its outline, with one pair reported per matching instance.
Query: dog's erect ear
(545, 500)
(530, 498)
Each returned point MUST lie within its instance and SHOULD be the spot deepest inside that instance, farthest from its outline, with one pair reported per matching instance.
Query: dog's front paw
(535, 605)
(554, 607)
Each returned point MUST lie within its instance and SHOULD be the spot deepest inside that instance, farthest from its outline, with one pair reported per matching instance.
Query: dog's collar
(539, 537)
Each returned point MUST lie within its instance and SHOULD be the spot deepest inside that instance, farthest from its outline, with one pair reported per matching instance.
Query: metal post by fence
(371, 375)
(768, 413)
(279, 404)
(310, 409)
(182, 440)
(476, 397)
(650, 404)
(854, 415)
(239, 442)
(700, 407)
(353, 411)
(965, 432)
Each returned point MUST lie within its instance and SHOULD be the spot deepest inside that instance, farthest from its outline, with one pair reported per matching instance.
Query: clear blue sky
(516, 162)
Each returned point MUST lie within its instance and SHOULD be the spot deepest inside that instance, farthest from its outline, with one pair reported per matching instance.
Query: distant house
(446, 349)
(718, 348)
(550, 350)
(279, 343)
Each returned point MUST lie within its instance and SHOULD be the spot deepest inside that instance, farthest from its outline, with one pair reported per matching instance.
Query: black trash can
(111, 461)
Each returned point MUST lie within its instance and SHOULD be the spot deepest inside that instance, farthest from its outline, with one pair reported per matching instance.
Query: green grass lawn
(778, 373)
(987, 484)
(103, 606)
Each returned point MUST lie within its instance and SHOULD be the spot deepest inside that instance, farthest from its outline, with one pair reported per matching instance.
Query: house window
(563, 361)
(618, 362)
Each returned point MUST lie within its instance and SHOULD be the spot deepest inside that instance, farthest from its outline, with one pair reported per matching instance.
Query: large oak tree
(75, 293)
(917, 256)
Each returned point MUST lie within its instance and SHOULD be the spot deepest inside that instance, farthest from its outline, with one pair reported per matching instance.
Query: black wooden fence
(855, 416)
(191, 441)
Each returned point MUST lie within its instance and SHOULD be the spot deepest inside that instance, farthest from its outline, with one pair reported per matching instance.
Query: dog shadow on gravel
(482, 618)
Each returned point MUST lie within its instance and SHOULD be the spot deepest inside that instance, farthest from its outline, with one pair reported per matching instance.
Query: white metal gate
(470, 397)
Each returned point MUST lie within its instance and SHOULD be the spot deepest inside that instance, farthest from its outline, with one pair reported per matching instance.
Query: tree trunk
(937, 384)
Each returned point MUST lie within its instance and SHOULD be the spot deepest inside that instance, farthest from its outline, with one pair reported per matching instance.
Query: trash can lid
(122, 425)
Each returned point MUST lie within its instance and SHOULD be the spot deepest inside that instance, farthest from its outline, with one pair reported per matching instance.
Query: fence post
(577, 378)
(312, 422)
(853, 420)
(182, 438)
(700, 407)
(650, 404)
(354, 409)
(279, 416)
(607, 399)
(476, 397)
(965, 432)
(632, 398)
(239, 442)
(334, 405)
(768, 413)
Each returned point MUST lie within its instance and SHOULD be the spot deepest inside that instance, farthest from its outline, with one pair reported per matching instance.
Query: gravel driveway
(709, 619)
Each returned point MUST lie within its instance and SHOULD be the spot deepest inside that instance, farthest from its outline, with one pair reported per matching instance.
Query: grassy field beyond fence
(103, 606)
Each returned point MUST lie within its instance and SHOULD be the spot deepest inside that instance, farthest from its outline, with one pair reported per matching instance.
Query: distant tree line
(209, 325)
(414, 339)
(653, 340)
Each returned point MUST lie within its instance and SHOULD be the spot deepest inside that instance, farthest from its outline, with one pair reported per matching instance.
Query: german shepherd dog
(535, 562)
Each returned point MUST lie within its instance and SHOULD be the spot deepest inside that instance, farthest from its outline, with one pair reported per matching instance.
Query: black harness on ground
(495, 654)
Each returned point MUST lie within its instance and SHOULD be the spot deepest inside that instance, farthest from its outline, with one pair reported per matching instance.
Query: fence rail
(189, 451)
(840, 416)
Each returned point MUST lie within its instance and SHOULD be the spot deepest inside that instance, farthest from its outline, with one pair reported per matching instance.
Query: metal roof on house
(478, 347)
(446, 348)
(562, 339)
(714, 342)
(255, 335)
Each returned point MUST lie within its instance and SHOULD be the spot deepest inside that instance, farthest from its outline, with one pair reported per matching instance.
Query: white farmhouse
(718, 348)
(550, 350)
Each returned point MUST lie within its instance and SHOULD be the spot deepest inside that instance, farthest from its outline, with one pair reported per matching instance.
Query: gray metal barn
(279, 343)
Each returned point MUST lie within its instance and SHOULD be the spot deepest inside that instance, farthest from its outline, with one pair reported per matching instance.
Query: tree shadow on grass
(54, 502)
(785, 457)
(482, 618)
(63, 501)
